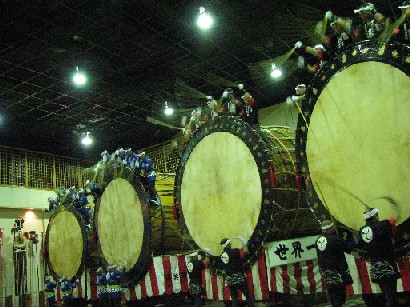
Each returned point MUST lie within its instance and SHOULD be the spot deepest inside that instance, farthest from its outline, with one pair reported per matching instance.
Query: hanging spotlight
(276, 72)
(168, 110)
(79, 78)
(86, 139)
(204, 20)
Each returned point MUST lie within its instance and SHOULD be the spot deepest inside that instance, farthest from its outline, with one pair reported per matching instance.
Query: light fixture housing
(79, 77)
(86, 139)
(168, 110)
(275, 72)
(204, 20)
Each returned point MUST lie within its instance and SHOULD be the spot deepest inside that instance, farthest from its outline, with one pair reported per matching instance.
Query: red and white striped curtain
(304, 277)
(168, 274)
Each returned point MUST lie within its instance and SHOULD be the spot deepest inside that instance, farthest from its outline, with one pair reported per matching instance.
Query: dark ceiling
(139, 54)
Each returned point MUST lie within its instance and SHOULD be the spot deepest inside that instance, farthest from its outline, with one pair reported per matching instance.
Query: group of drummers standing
(373, 242)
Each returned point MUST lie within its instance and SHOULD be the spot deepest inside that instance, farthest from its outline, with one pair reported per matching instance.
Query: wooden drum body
(236, 180)
(352, 141)
(66, 243)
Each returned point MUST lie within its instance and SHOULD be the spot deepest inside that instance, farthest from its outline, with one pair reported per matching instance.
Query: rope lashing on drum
(269, 134)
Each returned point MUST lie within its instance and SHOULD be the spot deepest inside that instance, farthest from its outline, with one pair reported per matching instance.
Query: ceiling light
(79, 78)
(86, 139)
(276, 72)
(168, 110)
(204, 21)
(29, 216)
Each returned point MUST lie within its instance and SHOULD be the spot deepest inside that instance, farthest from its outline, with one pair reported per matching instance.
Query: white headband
(226, 243)
(193, 254)
(300, 86)
(370, 214)
(327, 226)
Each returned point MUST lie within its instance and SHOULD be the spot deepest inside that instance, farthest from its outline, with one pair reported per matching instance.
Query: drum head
(123, 226)
(355, 143)
(223, 187)
(66, 243)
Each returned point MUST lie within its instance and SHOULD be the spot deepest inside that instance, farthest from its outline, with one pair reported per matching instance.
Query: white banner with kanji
(290, 251)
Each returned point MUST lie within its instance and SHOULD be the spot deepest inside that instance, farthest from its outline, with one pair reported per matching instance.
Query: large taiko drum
(234, 179)
(130, 231)
(66, 243)
(353, 141)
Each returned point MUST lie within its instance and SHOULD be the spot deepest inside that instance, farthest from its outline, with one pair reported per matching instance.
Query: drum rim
(395, 55)
(73, 211)
(141, 266)
(231, 125)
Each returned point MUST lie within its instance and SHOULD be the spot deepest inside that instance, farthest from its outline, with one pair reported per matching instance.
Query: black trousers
(103, 302)
(51, 303)
(197, 299)
(337, 295)
(389, 291)
(149, 186)
(243, 287)
(114, 301)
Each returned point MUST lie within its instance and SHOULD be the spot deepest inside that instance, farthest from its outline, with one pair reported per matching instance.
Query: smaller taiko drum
(130, 230)
(66, 243)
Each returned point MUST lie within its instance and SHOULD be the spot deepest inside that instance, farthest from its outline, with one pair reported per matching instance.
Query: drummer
(377, 241)
(199, 260)
(342, 32)
(102, 289)
(232, 264)
(149, 176)
(114, 284)
(249, 109)
(372, 22)
(300, 91)
(402, 33)
(231, 105)
(67, 287)
(332, 262)
(49, 288)
(310, 58)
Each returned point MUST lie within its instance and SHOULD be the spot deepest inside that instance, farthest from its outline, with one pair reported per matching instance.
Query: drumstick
(388, 32)
(389, 199)
(303, 116)
(327, 208)
(391, 202)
